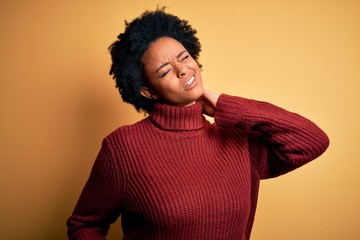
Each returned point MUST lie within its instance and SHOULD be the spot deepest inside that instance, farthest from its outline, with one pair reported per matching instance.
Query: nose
(181, 69)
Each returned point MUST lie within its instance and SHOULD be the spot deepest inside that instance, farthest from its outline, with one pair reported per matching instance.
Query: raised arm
(279, 140)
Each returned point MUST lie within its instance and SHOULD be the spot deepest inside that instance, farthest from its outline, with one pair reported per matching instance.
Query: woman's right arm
(99, 202)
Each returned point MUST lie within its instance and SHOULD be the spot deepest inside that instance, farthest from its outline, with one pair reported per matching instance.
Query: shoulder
(128, 130)
(127, 134)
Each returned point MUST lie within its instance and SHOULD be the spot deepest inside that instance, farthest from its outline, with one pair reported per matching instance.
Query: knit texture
(174, 175)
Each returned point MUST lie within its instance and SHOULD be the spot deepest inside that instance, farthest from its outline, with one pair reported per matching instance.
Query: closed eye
(184, 58)
(164, 74)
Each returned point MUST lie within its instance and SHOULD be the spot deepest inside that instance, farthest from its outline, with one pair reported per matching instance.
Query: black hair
(127, 50)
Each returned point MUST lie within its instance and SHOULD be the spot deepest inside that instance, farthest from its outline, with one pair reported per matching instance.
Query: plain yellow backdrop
(58, 102)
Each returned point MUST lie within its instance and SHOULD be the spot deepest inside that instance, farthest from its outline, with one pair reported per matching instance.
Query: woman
(174, 175)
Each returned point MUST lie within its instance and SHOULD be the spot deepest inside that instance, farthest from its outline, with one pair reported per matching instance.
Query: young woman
(174, 175)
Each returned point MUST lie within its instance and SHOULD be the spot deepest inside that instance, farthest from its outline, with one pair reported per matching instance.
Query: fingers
(208, 102)
(211, 97)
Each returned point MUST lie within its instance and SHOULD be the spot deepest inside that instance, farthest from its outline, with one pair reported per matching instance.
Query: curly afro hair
(127, 50)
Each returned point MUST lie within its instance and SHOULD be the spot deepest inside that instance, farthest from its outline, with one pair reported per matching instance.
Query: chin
(199, 92)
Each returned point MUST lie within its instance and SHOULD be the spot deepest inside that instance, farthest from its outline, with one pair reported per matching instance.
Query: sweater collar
(175, 118)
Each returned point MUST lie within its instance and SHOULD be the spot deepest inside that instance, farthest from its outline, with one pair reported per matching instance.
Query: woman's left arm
(289, 139)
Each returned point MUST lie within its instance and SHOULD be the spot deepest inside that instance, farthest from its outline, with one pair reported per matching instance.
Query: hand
(208, 102)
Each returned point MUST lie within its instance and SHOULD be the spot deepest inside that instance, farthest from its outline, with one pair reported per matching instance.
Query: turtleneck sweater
(174, 175)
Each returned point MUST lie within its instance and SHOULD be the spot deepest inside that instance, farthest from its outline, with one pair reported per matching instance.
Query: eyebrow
(167, 63)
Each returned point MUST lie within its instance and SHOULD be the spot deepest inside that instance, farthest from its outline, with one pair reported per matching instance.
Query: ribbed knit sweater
(174, 175)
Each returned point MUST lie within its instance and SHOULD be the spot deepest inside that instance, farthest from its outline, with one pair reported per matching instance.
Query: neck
(175, 118)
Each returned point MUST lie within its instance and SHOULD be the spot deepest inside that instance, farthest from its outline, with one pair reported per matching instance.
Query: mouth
(189, 83)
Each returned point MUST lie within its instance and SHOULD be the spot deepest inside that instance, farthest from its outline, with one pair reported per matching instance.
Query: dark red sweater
(174, 175)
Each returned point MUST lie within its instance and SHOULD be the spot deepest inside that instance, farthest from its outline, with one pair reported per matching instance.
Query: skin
(174, 77)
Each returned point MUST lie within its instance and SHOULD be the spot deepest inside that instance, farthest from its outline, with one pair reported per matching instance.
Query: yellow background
(58, 102)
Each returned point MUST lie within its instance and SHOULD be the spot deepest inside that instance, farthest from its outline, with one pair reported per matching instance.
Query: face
(173, 75)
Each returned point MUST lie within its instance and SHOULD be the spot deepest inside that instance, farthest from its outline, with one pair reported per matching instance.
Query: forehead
(162, 49)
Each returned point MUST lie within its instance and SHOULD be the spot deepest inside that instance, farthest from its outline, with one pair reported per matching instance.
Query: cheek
(162, 87)
(169, 86)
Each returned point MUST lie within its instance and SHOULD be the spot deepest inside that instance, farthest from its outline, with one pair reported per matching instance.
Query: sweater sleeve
(279, 141)
(98, 205)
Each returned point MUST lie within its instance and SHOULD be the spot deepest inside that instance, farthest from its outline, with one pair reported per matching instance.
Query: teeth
(190, 81)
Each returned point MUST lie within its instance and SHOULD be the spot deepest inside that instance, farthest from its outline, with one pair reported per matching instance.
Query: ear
(146, 92)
